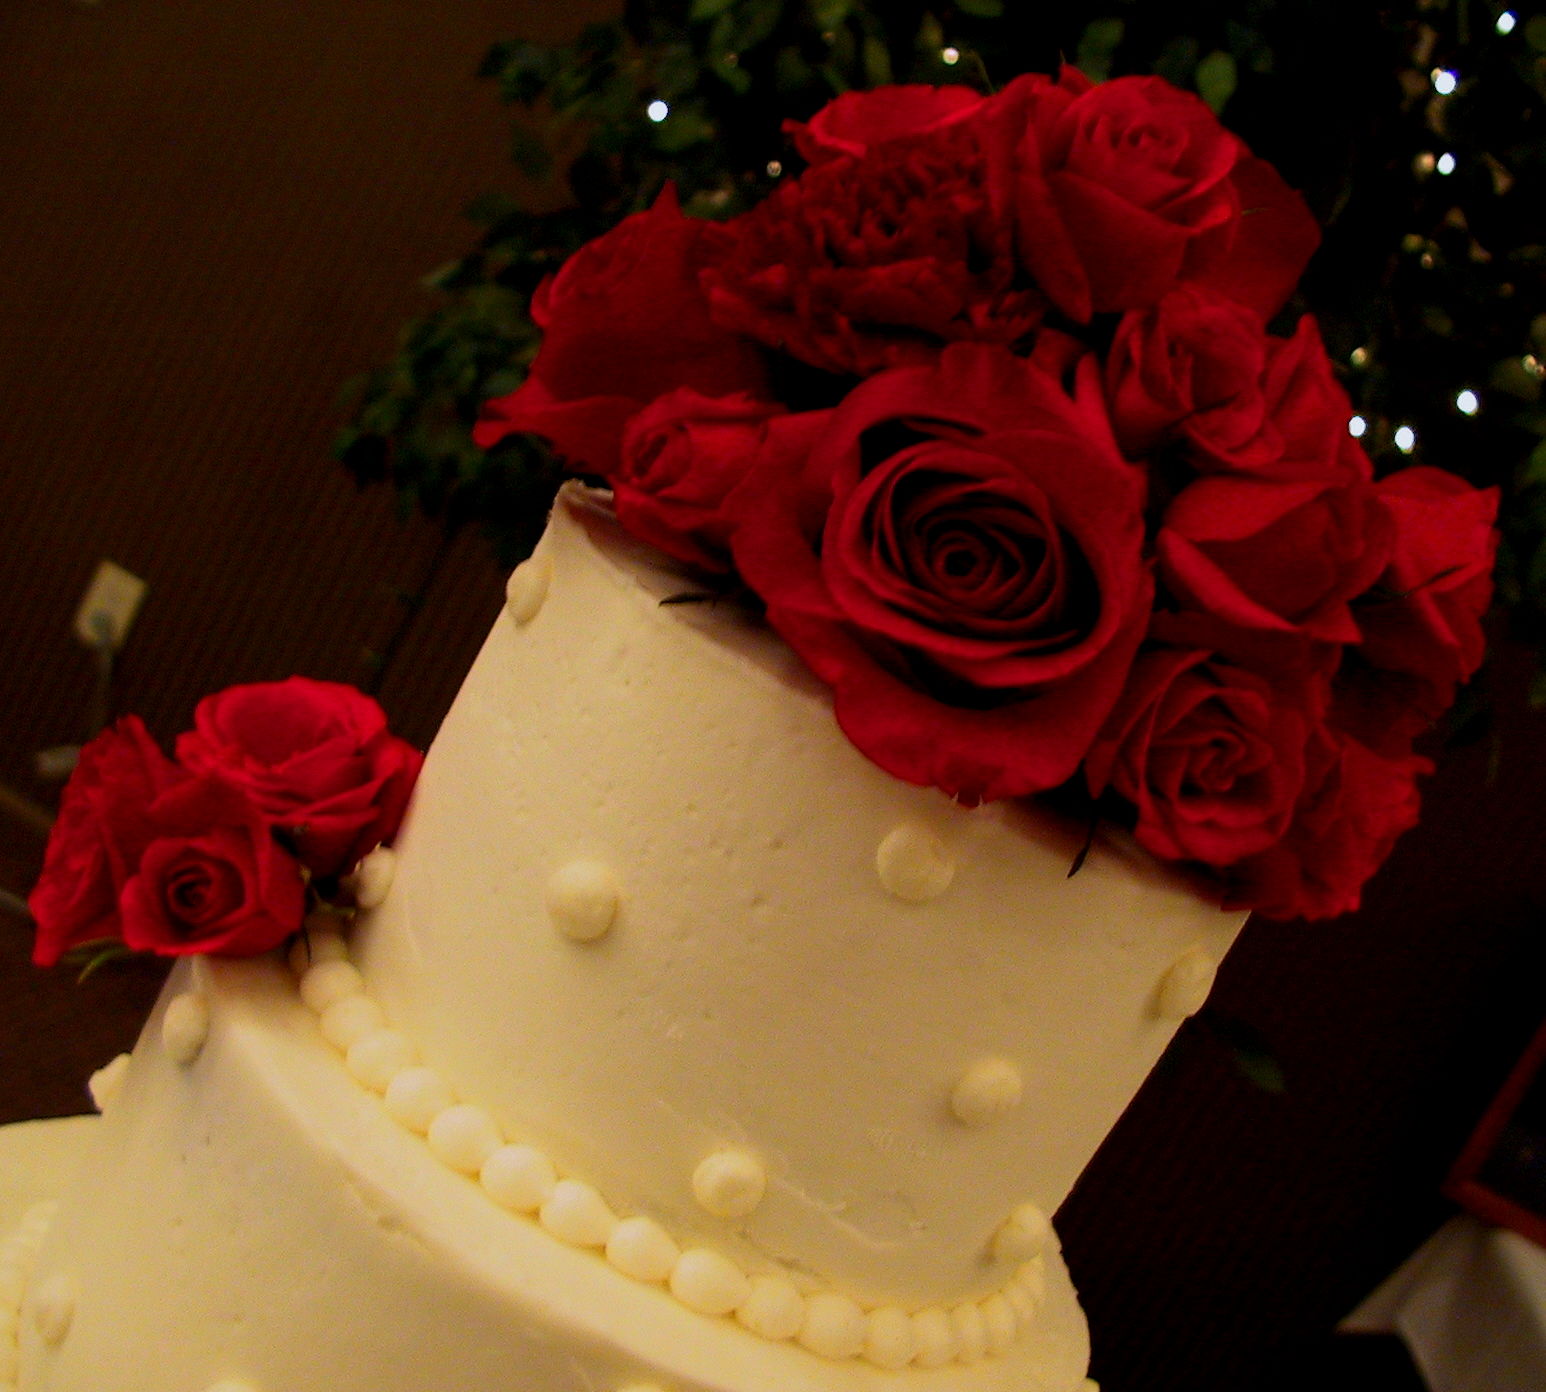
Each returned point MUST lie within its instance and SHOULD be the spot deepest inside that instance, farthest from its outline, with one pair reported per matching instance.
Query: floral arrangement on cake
(278, 793)
(989, 409)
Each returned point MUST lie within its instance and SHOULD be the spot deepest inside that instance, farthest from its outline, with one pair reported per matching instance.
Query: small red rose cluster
(984, 407)
(278, 785)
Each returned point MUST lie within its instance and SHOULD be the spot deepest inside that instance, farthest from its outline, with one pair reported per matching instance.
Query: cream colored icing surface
(256, 1218)
(781, 950)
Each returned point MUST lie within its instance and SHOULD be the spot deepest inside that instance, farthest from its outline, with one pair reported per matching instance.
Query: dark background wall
(212, 216)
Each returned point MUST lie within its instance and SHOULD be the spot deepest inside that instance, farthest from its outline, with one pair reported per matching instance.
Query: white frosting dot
(416, 1096)
(835, 1326)
(185, 1026)
(527, 587)
(987, 1090)
(1020, 1301)
(1022, 1235)
(999, 1317)
(329, 981)
(730, 1183)
(1186, 985)
(463, 1137)
(582, 900)
(575, 1213)
(349, 1019)
(372, 878)
(914, 864)
(773, 1307)
(321, 942)
(104, 1084)
(709, 1283)
(378, 1057)
(888, 1343)
(519, 1177)
(1032, 1279)
(641, 1248)
(971, 1332)
(53, 1307)
(37, 1220)
(934, 1339)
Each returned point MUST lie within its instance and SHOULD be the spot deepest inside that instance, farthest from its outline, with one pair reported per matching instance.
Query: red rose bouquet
(985, 409)
(279, 790)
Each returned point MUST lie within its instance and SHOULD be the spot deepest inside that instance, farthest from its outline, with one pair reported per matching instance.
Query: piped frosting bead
(934, 1339)
(463, 1137)
(416, 1096)
(971, 1332)
(773, 1307)
(1032, 1279)
(349, 1019)
(834, 1327)
(1185, 986)
(185, 1027)
(988, 1090)
(378, 1057)
(527, 587)
(641, 1248)
(519, 1177)
(888, 1341)
(730, 1183)
(914, 864)
(582, 900)
(53, 1307)
(709, 1283)
(329, 981)
(373, 877)
(321, 942)
(1023, 1234)
(104, 1084)
(575, 1213)
(999, 1319)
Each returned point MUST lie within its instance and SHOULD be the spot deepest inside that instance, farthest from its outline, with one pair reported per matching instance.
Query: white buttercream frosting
(986, 1091)
(914, 864)
(1186, 985)
(185, 1026)
(527, 587)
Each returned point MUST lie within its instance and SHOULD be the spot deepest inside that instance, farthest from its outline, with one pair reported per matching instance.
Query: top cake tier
(658, 917)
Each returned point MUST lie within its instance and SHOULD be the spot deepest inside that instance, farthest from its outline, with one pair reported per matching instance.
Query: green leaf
(704, 10)
(828, 14)
(1177, 61)
(877, 62)
(1216, 78)
(981, 9)
(1097, 45)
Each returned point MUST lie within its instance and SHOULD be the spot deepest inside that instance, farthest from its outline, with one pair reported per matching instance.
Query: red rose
(681, 455)
(1355, 804)
(213, 879)
(1277, 556)
(97, 841)
(623, 322)
(315, 758)
(868, 263)
(1208, 750)
(960, 558)
(1190, 365)
(1424, 616)
(1121, 191)
(856, 121)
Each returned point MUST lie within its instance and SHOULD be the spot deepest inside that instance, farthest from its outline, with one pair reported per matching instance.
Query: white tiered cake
(687, 1050)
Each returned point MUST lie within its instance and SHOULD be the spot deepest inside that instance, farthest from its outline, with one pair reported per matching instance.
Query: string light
(1357, 427)
(657, 111)
(775, 168)
(1445, 163)
(1445, 80)
(1468, 403)
(1406, 439)
(1359, 357)
(1506, 22)
(950, 56)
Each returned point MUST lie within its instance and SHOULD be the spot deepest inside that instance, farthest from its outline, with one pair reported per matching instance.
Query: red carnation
(960, 558)
(96, 843)
(315, 758)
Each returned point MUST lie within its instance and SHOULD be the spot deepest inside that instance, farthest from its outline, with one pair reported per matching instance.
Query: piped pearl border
(520, 1179)
(18, 1256)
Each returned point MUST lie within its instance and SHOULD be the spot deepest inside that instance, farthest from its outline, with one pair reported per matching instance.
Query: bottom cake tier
(248, 1215)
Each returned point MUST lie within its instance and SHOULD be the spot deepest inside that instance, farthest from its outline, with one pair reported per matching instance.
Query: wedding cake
(831, 834)
(686, 1049)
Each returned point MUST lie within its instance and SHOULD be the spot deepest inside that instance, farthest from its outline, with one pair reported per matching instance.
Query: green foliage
(1428, 282)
